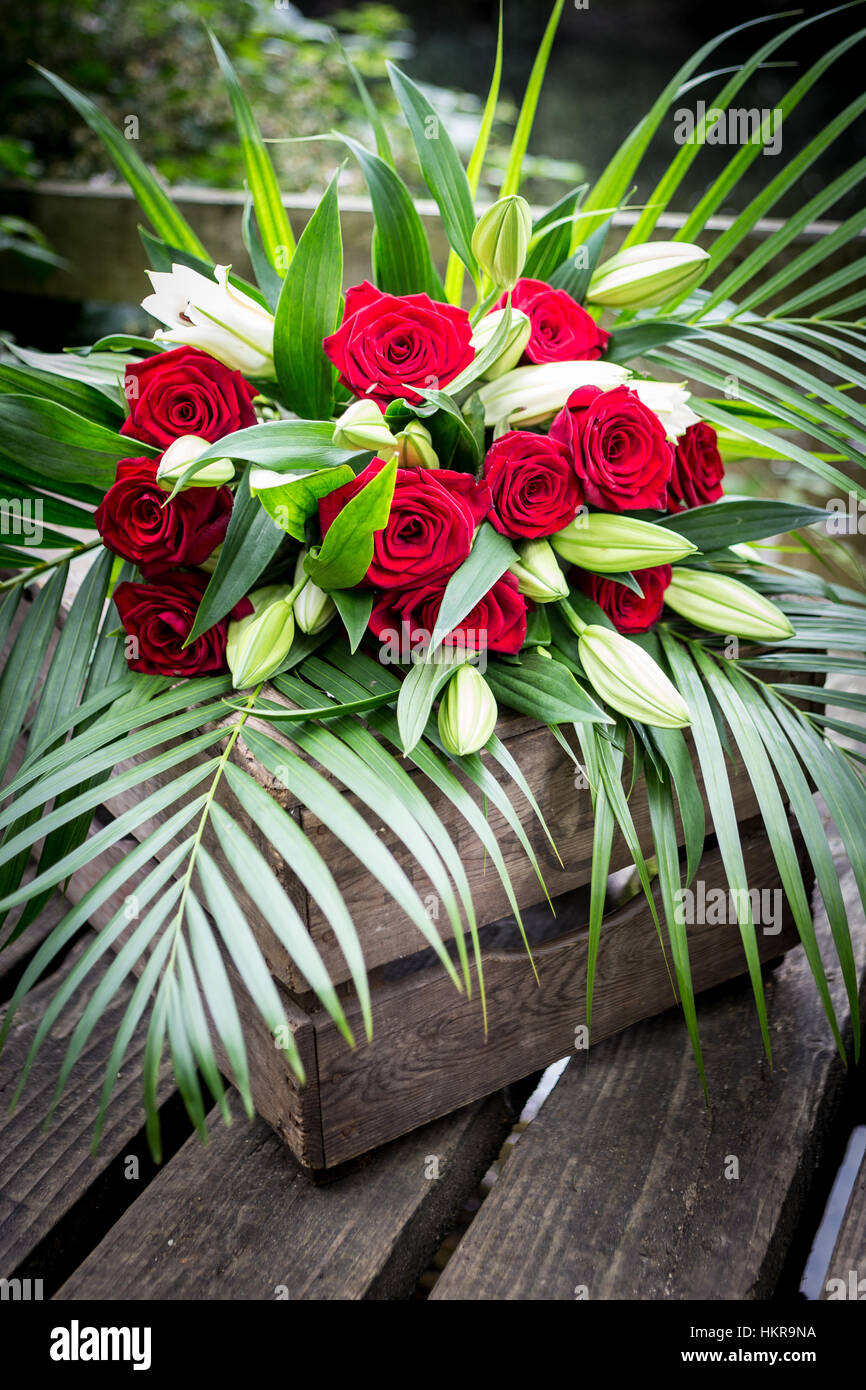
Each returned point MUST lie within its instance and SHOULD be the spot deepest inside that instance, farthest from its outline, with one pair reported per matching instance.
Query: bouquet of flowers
(345, 532)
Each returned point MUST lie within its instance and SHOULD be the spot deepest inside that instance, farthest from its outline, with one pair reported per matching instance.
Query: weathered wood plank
(241, 1221)
(624, 1187)
(43, 1174)
(848, 1261)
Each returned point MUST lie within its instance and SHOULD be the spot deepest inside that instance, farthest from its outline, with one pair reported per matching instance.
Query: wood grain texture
(43, 1174)
(429, 1053)
(619, 1189)
(849, 1252)
(243, 1222)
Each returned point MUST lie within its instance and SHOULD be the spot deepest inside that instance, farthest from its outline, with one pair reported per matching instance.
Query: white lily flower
(528, 395)
(212, 315)
(669, 400)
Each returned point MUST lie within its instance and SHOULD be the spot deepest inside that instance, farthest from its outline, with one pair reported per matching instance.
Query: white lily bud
(467, 712)
(538, 574)
(415, 447)
(643, 276)
(608, 543)
(214, 316)
(721, 604)
(362, 426)
(501, 239)
(258, 645)
(313, 608)
(519, 334)
(626, 676)
(528, 395)
(181, 453)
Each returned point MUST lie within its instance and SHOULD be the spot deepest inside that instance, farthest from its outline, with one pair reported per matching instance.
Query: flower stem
(33, 570)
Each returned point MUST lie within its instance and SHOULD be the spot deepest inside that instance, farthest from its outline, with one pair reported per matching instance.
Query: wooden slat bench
(617, 1186)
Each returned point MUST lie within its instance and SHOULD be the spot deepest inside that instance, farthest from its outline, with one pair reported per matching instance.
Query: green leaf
(661, 809)
(291, 504)
(573, 275)
(279, 911)
(287, 446)
(440, 164)
(354, 607)
(402, 263)
(417, 694)
(289, 840)
(248, 960)
(544, 689)
(551, 237)
(308, 311)
(335, 811)
(268, 280)
(252, 540)
(454, 271)
(738, 705)
(526, 116)
(721, 803)
(218, 993)
(731, 521)
(277, 238)
(489, 558)
(639, 338)
(618, 174)
(153, 201)
(347, 549)
(79, 396)
(24, 663)
(68, 447)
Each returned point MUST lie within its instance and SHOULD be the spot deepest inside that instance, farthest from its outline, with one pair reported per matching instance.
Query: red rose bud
(561, 331)
(698, 469)
(619, 446)
(185, 392)
(389, 343)
(157, 619)
(406, 619)
(628, 611)
(534, 484)
(434, 514)
(137, 522)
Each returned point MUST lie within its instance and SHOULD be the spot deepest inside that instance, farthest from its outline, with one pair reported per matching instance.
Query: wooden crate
(429, 1054)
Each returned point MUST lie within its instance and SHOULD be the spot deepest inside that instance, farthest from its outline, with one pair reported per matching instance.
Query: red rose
(185, 391)
(561, 330)
(434, 513)
(627, 610)
(497, 623)
(619, 448)
(157, 619)
(534, 484)
(136, 521)
(698, 469)
(388, 343)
